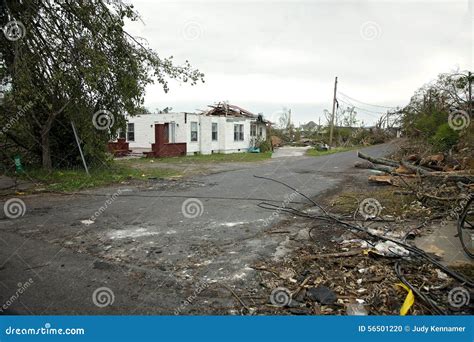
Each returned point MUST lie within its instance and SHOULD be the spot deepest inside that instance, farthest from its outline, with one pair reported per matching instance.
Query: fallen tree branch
(464, 178)
(335, 255)
(382, 161)
(236, 297)
(372, 166)
(449, 199)
(302, 285)
(414, 168)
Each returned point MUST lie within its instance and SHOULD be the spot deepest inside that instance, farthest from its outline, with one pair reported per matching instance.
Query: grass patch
(315, 153)
(393, 204)
(73, 180)
(204, 158)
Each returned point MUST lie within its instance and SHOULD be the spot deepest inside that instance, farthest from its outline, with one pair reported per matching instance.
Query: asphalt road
(154, 246)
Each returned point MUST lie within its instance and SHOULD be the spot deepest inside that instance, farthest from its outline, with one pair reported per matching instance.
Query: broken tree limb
(449, 199)
(302, 285)
(372, 166)
(383, 180)
(414, 168)
(433, 167)
(382, 161)
(455, 177)
(236, 297)
(336, 255)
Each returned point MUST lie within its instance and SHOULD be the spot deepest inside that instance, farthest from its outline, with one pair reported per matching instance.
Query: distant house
(223, 128)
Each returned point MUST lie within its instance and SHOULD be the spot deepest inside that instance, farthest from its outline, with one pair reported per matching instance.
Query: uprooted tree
(63, 61)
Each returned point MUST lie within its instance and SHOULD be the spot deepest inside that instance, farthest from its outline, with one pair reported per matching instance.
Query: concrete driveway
(290, 151)
(147, 250)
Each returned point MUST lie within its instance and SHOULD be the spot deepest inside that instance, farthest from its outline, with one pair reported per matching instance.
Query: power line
(370, 112)
(365, 103)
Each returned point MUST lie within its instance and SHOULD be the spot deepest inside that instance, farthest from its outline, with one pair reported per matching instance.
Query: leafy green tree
(427, 114)
(72, 60)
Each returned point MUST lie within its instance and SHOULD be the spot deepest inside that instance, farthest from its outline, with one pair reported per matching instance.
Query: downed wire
(88, 194)
(329, 217)
(436, 309)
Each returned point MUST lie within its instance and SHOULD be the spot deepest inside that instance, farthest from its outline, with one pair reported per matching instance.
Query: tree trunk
(382, 161)
(46, 150)
(45, 146)
(414, 168)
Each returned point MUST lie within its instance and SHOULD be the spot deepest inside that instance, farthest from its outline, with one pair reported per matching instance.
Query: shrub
(445, 138)
(264, 145)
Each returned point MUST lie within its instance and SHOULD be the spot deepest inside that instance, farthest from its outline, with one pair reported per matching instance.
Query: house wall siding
(145, 133)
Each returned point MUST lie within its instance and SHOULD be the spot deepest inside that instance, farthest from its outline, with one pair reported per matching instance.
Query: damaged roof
(225, 109)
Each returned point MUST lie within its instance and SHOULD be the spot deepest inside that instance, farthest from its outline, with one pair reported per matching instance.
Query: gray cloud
(269, 54)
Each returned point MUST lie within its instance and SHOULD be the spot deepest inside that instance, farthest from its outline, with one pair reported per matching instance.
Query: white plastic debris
(363, 243)
(442, 275)
(356, 310)
(391, 249)
(87, 222)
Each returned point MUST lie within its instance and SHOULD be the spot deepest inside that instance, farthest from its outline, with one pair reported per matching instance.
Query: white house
(222, 129)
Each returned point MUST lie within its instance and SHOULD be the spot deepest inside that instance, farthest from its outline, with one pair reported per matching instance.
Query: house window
(194, 131)
(238, 132)
(260, 131)
(122, 133)
(253, 130)
(214, 131)
(131, 132)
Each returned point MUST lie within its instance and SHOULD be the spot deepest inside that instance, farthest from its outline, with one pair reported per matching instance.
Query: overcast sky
(265, 55)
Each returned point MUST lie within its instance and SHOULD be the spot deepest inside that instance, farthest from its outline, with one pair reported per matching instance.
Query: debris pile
(359, 265)
(441, 183)
(431, 177)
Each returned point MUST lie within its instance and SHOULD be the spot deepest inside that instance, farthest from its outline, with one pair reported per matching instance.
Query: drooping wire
(365, 103)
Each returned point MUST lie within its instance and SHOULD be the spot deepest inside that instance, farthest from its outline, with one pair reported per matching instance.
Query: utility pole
(289, 119)
(470, 93)
(331, 129)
